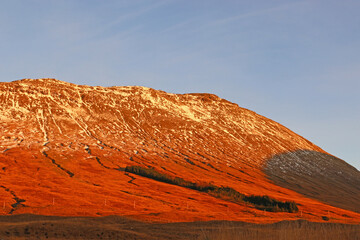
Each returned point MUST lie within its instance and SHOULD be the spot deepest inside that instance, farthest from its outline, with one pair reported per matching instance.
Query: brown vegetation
(298, 230)
(114, 227)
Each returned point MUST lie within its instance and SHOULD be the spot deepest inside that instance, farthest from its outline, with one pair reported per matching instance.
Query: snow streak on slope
(59, 110)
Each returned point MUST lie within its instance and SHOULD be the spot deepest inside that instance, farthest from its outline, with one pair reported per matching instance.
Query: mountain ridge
(71, 136)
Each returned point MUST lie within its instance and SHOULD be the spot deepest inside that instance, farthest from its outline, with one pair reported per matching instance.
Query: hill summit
(67, 149)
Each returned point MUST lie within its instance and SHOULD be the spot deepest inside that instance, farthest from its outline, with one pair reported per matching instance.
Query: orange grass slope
(64, 149)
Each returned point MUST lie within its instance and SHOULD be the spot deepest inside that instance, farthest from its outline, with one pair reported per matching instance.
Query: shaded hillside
(317, 175)
(64, 150)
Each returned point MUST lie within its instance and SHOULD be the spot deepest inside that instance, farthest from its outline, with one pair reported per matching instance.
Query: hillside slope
(65, 147)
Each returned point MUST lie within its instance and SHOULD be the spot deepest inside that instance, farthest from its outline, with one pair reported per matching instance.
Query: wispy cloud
(86, 29)
(258, 12)
(122, 18)
(178, 26)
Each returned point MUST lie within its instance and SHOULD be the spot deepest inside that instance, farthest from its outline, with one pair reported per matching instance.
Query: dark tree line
(225, 193)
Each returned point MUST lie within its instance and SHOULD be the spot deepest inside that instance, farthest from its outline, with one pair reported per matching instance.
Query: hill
(66, 150)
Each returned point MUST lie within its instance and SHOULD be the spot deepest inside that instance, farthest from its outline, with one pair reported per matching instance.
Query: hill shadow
(317, 175)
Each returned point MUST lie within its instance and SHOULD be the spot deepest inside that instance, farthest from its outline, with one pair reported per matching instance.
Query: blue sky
(296, 62)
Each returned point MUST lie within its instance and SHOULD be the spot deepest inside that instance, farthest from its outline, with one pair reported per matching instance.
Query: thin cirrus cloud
(259, 12)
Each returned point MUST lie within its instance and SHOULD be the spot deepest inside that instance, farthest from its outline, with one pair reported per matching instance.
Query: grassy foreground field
(115, 227)
(283, 230)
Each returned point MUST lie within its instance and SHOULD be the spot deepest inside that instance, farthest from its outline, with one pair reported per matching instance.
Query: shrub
(226, 193)
(153, 174)
(271, 204)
